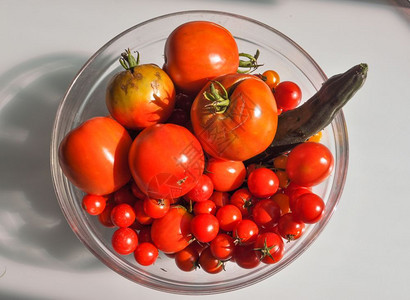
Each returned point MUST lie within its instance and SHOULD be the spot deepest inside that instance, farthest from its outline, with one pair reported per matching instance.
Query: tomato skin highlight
(140, 97)
(166, 161)
(94, 155)
(172, 232)
(198, 51)
(247, 126)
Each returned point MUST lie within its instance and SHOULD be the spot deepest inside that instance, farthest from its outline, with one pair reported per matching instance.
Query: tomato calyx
(250, 64)
(128, 61)
(265, 250)
(219, 98)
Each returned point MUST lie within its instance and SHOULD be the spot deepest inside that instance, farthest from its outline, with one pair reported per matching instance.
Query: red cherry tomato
(246, 257)
(222, 246)
(94, 156)
(269, 247)
(244, 200)
(204, 227)
(205, 207)
(94, 204)
(263, 183)
(309, 164)
(294, 194)
(210, 263)
(235, 117)
(226, 175)
(202, 190)
(172, 232)
(198, 51)
(124, 240)
(309, 208)
(228, 216)
(288, 95)
(220, 198)
(246, 232)
(156, 208)
(266, 213)
(187, 258)
(123, 215)
(290, 228)
(146, 254)
(166, 161)
(105, 216)
(140, 214)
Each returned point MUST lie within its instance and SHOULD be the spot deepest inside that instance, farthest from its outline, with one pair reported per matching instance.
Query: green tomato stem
(218, 96)
(250, 64)
(128, 61)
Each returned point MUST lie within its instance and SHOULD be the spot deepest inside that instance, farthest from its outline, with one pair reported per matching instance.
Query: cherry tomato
(105, 216)
(187, 258)
(288, 95)
(283, 178)
(210, 263)
(290, 228)
(280, 161)
(156, 208)
(228, 216)
(220, 198)
(269, 247)
(123, 215)
(316, 137)
(235, 117)
(244, 200)
(283, 201)
(246, 257)
(222, 246)
(94, 204)
(266, 213)
(198, 51)
(309, 208)
(144, 234)
(172, 232)
(271, 78)
(204, 227)
(294, 194)
(202, 190)
(226, 175)
(309, 164)
(146, 254)
(263, 183)
(246, 232)
(205, 207)
(166, 161)
(94, 156)
(124, 195)
(124, 240)
(141, 95)
(140, 214)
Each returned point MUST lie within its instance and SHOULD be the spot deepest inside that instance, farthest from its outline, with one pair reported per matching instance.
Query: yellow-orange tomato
(316, 137)
(271, 78)
(235, 117)
(141, 96)
(94, 156)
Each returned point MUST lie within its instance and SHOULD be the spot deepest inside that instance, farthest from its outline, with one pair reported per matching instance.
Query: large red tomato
(172, 232)
(166, 161)
(140, 96)
(94, 156)
(198, 51)
(235, 117)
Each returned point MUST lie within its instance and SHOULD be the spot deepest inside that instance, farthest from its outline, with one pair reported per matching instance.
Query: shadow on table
(33, 229)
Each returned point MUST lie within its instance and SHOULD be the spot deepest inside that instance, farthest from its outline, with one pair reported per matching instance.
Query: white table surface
(364, 252)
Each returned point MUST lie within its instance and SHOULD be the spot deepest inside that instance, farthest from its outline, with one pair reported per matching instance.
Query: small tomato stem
(218, 96)
(128, 61)
(251, 62)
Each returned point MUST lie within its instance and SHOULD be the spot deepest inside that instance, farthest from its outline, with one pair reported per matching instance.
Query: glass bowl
(85, 98)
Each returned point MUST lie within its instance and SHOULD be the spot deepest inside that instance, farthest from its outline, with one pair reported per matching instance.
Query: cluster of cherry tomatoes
(166, 167)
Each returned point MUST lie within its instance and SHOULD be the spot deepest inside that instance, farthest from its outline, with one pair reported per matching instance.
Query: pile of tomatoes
(166, 167)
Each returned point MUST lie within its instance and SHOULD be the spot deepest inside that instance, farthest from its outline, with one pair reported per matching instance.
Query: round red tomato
(140, 96)
(187, 258)
(94, 156)
(290, 228)
(222, 246)
(226, 175)
(202, 191)
(172, 232)
(235, 117)
(124, 240)
(266, 213)
(198, 51)
(210, 263)
(308, 208)
(228, 216)
(146, 254)
(94, 204)
(263, 182)
(166, 161)
(269, 247)
(156, 208)
(204, 227)
(244, 200)
(288, 95)
(246, 257)
(309, 164)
